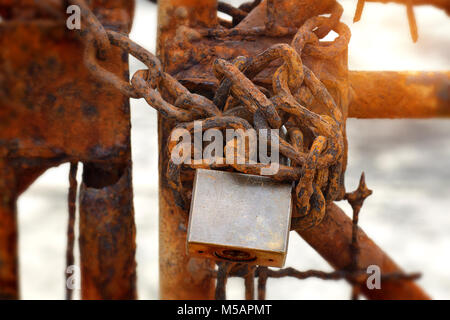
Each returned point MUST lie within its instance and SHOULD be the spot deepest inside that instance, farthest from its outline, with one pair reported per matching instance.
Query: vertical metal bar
(359, 10)
(262, 282)
(222, 277)
(399, 95)
(71, 199)
(107, 234)
(9, 278)
(180, 277)
(412, 21)
(249, 281)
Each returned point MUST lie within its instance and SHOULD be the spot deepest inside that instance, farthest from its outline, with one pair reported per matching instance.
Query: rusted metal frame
(402, 95)
(180, 277)
(14, 179)
(38, 105)
(39, 87)
(398, 94)
(107, 229)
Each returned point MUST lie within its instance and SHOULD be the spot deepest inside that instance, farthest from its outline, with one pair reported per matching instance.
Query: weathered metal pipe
(332, 239)
(107, 234)
(180, 277)
(406, 94)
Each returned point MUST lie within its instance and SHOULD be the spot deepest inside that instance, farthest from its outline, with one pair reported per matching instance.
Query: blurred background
(407, 164)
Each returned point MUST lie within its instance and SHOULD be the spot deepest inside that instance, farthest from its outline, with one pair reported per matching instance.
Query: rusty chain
(314, 143)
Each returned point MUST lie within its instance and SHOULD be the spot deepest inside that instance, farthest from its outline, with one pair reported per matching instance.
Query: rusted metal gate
(52, 110)
(64, 98)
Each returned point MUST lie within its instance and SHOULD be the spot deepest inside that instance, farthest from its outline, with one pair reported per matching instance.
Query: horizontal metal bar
(406, 94)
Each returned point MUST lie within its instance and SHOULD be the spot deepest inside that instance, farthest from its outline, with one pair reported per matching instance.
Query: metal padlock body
(240, 218)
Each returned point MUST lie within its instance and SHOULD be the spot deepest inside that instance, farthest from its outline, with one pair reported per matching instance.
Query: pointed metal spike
(359, 10)
(412, 22)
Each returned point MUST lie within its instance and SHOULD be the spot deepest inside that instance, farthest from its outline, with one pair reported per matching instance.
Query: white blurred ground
(407, 164)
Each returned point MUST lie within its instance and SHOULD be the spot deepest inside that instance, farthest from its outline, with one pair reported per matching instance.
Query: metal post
(107, 233)
(180, 277)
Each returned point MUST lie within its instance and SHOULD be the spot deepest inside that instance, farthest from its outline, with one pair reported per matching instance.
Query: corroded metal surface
(9, 277)
(180, 276)
(107, 237)
(46, 88)
(71, 199)
(267, 68)
(407, 94)
(52, 110)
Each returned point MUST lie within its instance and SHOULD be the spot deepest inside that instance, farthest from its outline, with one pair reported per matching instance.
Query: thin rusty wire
(352, 274)
(72, 196)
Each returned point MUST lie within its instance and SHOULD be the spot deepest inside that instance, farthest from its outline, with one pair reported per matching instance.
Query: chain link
(316, 167)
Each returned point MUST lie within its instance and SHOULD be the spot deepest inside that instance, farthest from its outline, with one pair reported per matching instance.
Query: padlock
(239, 218)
